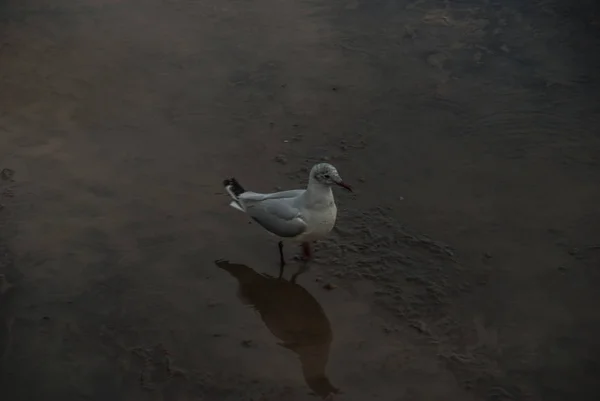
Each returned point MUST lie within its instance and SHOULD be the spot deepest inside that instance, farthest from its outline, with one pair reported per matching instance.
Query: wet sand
(465, 266)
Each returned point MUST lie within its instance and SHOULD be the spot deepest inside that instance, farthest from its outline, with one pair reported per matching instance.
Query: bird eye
(327, 176)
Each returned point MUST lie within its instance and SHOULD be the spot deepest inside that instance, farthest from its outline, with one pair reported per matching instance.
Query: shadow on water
(292, 315)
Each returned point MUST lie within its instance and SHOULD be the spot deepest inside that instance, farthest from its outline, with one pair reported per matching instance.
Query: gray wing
(255, 196)
(279, 216)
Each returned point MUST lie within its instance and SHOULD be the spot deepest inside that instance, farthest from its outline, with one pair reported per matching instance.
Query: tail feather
(234, 186)
(234, 189)
(237, 205)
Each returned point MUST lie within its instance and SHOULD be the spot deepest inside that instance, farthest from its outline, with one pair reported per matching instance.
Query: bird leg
(306, 252)
(281, 258)
(301, 270)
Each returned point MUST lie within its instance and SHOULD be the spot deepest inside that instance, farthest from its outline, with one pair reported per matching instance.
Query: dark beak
(345, 186)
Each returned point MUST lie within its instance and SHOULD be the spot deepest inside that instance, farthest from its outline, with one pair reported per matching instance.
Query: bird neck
(318, 194)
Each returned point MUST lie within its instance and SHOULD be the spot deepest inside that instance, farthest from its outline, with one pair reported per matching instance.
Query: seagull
(301, 215)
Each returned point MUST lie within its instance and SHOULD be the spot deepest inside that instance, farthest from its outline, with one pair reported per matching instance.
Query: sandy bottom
(464, 267)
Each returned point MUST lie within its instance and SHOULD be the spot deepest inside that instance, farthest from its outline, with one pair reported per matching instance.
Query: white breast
(319, 223)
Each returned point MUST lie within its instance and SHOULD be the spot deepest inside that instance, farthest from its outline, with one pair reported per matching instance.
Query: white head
(326, 174)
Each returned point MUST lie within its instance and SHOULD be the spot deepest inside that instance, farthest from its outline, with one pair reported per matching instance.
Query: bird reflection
(293, 316)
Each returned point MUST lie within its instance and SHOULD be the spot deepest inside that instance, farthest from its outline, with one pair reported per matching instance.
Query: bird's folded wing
(279, 216)
(255, 196)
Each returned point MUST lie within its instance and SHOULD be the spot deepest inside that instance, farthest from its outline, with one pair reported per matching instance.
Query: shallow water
(462, 268)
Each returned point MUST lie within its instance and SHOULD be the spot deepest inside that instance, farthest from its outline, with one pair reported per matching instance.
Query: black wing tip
(236, 188)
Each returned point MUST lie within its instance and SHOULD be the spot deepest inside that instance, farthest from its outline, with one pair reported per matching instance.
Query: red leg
(306, 251)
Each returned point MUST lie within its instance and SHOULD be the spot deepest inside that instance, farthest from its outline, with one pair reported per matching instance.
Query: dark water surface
(465, 266)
